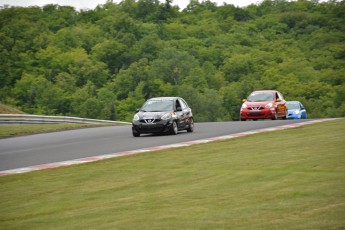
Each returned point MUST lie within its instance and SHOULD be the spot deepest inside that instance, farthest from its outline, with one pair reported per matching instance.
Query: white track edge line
(151, 149)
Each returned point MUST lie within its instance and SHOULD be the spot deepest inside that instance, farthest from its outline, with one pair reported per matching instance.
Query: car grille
(151, 128)
(255, 108)
(150, 121)
(255, 114)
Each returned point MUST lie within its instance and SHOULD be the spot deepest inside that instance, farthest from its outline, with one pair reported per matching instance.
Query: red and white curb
(151, 149)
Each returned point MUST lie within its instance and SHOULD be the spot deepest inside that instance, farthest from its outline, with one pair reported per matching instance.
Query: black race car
(163, 115)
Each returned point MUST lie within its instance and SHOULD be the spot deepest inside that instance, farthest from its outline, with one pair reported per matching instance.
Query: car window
(292, 106)
(277, 96)
(178, 104)
(280, 96)
(183, 104)
(158, 106)
(256, 97)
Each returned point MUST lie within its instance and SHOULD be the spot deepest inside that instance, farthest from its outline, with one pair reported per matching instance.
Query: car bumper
(294, 116)
(157, 127)
(257, 114)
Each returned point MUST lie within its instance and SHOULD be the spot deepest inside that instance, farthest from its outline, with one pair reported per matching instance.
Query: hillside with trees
(105, 62)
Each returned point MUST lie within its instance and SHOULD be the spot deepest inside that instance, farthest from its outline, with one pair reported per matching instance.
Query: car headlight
(136, 117)
(269, 105)
(296, 112)
(166, 116)
(244, 105)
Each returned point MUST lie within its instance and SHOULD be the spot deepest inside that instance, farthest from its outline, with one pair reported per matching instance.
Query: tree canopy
(105, 62)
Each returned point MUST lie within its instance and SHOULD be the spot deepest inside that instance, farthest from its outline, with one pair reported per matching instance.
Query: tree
(110, 52)
(231, 102)
(37, 95)
(128, 106)
(238, 66)
(84, 101)
(128, 80)
(106, 97)
(104, 62)
(173, 65)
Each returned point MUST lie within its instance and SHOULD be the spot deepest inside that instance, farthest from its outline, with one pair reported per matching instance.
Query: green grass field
(289, 179)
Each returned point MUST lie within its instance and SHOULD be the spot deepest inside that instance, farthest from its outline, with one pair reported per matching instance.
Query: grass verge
(18, 130)
(289, 179)
(5, 109)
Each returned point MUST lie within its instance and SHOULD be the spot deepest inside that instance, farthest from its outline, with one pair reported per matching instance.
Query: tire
(242, 119)
(191, 126)
(275, 116)
(174, 129)
(284, 118)
(136, 134)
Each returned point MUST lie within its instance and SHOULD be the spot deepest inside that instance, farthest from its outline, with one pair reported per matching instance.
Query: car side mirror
(178, 109)
(137, 110)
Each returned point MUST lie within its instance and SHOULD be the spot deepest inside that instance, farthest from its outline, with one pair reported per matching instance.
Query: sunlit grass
(290, 179)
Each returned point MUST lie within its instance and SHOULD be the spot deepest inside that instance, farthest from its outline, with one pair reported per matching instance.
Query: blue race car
(296, 110)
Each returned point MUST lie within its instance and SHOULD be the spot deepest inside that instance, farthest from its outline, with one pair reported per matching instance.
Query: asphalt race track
(19, 152)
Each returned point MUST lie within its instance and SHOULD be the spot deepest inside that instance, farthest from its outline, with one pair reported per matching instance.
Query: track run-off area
(58, 149)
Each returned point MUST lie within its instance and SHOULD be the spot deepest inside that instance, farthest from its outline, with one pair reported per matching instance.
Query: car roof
(164, 98)
(265, 91)
(292, 102)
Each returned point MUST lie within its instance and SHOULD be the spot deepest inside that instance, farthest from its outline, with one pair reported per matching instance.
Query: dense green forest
(105, 62)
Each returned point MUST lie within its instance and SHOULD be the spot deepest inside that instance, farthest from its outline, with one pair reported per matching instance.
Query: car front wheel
(173, 129)
(191, 126)
(286, 114)
(136, 134)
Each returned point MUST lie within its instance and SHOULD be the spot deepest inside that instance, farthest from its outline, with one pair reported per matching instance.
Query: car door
(303, 112)
(184, 114)
(281, 105)
(180, 114)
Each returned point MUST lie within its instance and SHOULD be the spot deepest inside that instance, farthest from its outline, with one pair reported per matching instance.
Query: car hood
(151, 115)
(260, 103)
(292, 110)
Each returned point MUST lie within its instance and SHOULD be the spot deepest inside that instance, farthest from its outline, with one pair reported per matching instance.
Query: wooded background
(105, 62)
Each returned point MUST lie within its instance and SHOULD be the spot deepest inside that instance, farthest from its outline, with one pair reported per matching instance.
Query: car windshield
(158, 106)
(256, 97)
(292, 105)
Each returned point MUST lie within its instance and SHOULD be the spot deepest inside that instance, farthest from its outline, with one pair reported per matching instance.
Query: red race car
(264, 104)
